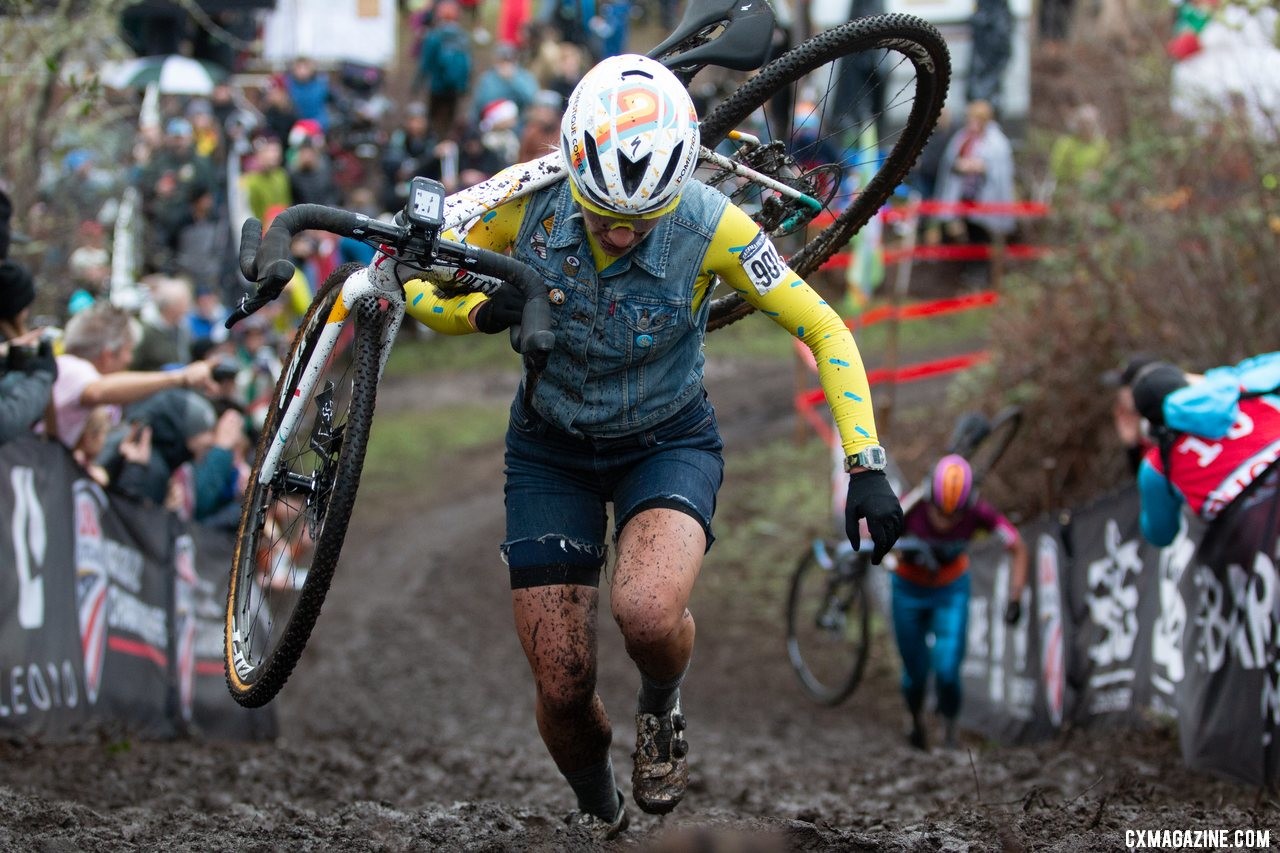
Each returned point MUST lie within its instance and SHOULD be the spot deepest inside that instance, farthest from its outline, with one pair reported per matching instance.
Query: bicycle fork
(359, 288)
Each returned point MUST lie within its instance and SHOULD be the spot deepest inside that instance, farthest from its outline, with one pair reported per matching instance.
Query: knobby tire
(259, 685)
(910, 38)
(809, 574)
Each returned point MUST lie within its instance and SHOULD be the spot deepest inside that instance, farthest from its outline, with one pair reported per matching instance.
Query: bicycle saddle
(742, 45)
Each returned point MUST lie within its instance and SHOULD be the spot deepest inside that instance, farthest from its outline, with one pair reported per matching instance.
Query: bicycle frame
(514, 182)
(376, 281)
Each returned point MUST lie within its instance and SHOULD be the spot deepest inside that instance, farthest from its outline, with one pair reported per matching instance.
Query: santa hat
(497, 113)
(306, 130)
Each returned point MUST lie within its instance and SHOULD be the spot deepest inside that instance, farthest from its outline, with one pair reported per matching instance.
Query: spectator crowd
(133, 370)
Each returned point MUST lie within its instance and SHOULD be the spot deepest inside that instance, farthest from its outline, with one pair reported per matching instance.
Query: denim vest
(628, 348)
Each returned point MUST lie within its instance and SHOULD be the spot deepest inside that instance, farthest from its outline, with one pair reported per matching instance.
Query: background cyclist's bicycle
(835, 591)
(812, 146)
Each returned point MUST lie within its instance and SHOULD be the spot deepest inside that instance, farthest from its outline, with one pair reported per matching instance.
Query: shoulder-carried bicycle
(833, 587)
(811, 145)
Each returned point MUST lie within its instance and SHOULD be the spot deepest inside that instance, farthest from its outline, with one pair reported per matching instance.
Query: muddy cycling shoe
(660, 773)
(601, 829)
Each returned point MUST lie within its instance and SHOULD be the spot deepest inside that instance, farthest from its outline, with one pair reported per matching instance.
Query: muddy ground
(409, 725)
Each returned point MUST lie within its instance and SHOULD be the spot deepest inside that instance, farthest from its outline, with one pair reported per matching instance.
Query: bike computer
(426, 204)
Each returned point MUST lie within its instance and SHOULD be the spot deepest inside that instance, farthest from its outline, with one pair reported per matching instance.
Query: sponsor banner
(1013, 674)
(1123, 630)
(42, 684)
(200, 609)
(1107, 581)
(1230, 696)
(123, 592)
(101, 623)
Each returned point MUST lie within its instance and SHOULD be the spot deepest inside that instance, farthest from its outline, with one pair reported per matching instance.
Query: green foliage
(402, 445)
(415, 355)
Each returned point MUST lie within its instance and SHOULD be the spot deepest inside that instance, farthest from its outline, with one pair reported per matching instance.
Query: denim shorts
(558, 486)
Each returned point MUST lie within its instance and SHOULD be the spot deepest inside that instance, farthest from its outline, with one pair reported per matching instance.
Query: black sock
(596, 791)
(658, 697)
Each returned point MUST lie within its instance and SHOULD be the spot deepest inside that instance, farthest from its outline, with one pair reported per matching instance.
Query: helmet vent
(633, 173)
(593, 160)
(672, 162)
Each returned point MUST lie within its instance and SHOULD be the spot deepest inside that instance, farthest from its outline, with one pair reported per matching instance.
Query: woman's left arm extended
(745, 259)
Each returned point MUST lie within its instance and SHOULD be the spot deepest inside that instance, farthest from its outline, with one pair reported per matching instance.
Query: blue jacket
(1206, 411)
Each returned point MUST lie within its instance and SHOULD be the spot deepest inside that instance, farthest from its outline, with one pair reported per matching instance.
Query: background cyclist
(631, 246)
(931, 587)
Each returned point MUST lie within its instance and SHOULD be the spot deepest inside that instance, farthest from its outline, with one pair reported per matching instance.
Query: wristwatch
(872, 458)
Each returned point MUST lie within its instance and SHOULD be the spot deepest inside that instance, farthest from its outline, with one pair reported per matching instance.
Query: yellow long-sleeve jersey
(744, 259)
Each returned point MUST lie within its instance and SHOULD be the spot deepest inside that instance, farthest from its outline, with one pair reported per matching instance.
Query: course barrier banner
(1013, 674)
(1121, 630)
(1229, 696)
(110, 611)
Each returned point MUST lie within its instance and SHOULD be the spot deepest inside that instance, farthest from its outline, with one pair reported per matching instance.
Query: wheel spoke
(297, 518)
(852, 108)
(827, 627)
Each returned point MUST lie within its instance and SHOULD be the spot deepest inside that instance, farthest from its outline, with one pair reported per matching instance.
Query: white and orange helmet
(629, 137)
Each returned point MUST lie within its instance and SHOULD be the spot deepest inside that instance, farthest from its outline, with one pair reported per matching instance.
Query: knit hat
(178, 127)
(175, 416)
(1153, 383)
(306, 131)
(1125, 374)
(496, 113)
(17, 288)
(80, 300)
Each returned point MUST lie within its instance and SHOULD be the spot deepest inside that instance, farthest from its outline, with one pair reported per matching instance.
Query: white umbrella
(174, 74)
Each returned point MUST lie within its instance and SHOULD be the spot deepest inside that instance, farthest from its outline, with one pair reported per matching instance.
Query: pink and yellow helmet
(951, 483)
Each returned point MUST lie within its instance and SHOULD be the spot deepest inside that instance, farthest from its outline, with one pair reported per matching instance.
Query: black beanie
(17, 289)
(1152, 384)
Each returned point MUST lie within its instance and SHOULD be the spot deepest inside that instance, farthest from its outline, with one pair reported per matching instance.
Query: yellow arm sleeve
(745, 259)
(496, 231)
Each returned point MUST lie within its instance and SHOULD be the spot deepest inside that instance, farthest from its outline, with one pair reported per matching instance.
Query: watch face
(873, 458)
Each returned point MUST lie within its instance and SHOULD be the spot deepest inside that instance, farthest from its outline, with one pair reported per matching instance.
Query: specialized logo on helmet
(635, 110)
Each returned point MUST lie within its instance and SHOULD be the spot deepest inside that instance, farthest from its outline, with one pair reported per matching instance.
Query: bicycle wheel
(292, 525)
(858, 103)
(828, 625)
(1000, 434)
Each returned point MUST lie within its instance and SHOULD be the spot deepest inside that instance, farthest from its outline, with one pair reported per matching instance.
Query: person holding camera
(98, 345)
(27, 373)
(931, 587)
(27, 366)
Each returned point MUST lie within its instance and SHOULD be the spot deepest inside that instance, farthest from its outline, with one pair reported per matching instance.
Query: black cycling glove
(500, 311)
(871, 497)
(1013, 612)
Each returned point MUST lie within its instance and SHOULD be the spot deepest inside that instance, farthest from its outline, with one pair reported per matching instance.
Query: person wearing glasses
(631, 246)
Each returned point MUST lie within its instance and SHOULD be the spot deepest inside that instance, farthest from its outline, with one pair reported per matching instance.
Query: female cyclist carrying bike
(631, 246)
(931, 587)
